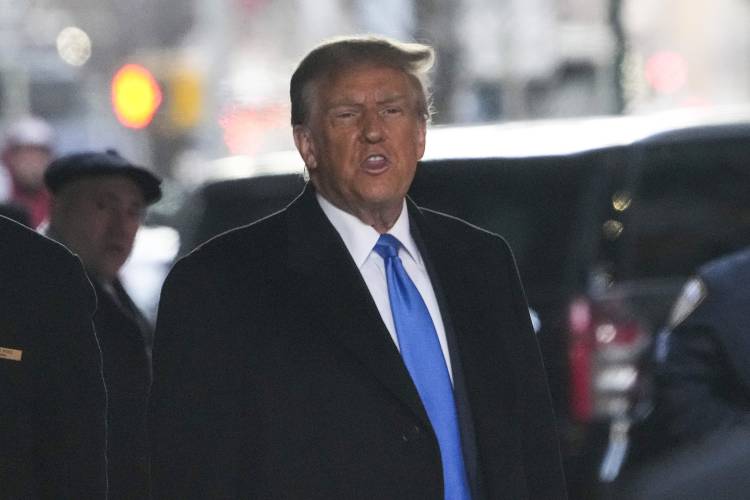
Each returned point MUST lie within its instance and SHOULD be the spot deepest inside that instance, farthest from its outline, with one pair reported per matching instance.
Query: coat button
(412, 433)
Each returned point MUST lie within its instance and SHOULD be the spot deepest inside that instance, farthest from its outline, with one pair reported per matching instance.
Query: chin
(383, 194)
(109, 272)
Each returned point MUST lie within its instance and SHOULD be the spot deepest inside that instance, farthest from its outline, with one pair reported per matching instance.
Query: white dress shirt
(360, 240)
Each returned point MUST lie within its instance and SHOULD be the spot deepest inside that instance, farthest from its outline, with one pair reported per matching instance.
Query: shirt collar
(360, 238)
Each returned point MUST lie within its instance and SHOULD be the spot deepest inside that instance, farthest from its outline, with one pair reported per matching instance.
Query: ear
(305, 145)
(56, 208)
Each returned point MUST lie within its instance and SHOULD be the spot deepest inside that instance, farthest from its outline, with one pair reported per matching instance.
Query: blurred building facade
(223, 65)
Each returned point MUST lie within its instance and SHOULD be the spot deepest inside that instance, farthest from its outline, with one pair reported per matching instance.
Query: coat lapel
(473, 316)
(460, 296)
(438, 254)
(122, 311)
(339, 298)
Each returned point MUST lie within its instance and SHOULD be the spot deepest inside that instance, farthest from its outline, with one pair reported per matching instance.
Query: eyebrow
(346, 102)
(394, 98)
(110, 194)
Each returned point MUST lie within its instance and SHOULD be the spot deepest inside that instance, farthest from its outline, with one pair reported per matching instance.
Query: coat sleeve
(542, 461)
(73, 412)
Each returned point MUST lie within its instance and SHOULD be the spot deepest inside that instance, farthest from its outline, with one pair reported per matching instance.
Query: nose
(124, 223)
(372, 127)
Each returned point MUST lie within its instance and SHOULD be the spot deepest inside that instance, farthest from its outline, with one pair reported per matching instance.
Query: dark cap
(74, 166)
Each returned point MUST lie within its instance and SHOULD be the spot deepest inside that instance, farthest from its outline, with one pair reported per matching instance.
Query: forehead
(29, 149)
(365, 81)
(114, 186)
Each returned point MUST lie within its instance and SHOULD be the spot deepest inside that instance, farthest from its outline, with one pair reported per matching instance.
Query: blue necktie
(420, 350)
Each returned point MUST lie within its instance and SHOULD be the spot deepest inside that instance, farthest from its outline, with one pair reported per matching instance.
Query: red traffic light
(135, 96)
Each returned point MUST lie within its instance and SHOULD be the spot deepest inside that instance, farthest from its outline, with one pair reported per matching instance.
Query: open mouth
(375, 163)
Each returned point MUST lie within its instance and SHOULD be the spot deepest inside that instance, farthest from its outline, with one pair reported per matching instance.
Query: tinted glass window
(532, 202)
(221, 206)
(691, 204)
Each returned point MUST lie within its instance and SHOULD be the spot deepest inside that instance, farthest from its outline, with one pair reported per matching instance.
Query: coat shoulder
(717, 296)
(20, 239)
(461, 231)
(31, 254)
(247, 240)
(240, 248)
(724, 280)
(730, 268)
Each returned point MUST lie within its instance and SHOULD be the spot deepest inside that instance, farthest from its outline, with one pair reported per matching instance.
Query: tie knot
(387, 246)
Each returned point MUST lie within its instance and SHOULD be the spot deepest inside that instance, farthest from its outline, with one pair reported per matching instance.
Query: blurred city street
(607, 140)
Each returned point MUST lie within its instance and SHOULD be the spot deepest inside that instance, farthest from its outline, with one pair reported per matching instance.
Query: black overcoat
(125, 339)
(275, 377)
(52, 398)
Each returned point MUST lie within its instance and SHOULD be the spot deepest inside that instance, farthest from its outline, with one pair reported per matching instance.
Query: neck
(381, 221)
(380, 217)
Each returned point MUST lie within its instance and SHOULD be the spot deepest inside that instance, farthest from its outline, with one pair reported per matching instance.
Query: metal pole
(14, 79)
(615, 21)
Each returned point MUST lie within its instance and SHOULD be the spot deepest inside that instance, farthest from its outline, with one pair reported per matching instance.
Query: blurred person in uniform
(703, 358)
(26, 152)
(702, 391)
(353, 345)
(52, 396)
(98, 203)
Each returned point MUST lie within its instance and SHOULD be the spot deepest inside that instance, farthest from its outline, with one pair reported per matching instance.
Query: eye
(392, 111)
(343, 112)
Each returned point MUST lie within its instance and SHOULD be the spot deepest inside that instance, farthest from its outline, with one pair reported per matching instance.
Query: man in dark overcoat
(98, 204)
(353, 345)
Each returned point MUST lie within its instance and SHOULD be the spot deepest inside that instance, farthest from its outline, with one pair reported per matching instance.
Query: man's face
(27, 165)
(97, 217)
(363, 138)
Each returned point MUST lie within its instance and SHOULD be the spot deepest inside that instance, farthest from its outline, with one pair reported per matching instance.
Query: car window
(691, 204)
(532, 202)
(224, 205)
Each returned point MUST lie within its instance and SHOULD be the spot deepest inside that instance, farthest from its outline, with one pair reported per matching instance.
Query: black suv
(604, 239)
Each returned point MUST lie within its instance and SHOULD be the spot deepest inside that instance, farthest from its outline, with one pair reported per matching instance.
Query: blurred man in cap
(98, 204)
(25, 155)
(52, 398)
